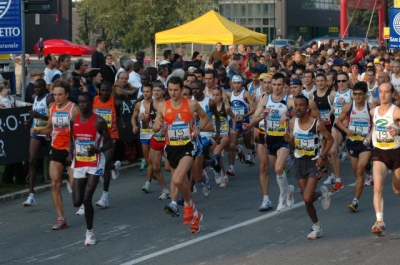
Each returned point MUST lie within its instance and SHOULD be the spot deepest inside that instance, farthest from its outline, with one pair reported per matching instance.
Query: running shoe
(206, 187)
(60, 224)
(379, 228)
(330, 179)
(266, 205)
(217, 177)
(337, 187)
(143, 166)
(181, 201)
(353, 206)
(224, 181)
(172, 209)
(164, 195)
(325, 197)
(115, 171)
(30, 201)
(230, 172)
(90, 239)
(289, 196)
(146, 187)
(103, 202)
(81, 211)
(188, 214)
(241, 154)
(369, 181)
(316, 232)
(249, 160)
(195, 224)
(282, 204)
(343, 157)
(125, 162)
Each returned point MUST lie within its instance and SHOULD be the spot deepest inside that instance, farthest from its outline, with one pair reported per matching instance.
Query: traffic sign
(10, 27)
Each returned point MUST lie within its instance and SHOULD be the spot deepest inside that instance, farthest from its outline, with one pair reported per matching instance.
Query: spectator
(98, 59)
(122, 89)
(29, 91)
(109, 71)
(217, 54)
(6, 101)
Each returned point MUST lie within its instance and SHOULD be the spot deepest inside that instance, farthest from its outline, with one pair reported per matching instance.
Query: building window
(321, 4)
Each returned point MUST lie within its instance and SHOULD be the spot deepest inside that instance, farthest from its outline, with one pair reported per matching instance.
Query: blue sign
(10, 27)
(394, 21)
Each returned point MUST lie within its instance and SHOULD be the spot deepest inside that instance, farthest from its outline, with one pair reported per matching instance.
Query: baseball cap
(192, 68)
(376, 60)
(296, 81)
(237, 78)
(36, 72)
(262, 76)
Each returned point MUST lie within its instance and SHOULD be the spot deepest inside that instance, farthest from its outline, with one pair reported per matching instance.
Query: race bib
(106, 114)
(82, 155)
(338, 109)
(274, 126)
(304, 144)
(60, 122)
(325, 116)
(178, 134)
(360, 130)
(383, 138)
(238, 110)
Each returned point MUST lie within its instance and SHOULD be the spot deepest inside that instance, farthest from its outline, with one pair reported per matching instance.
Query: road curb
(46, 187)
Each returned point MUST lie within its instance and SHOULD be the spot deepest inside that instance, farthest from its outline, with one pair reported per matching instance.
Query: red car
(60, 46)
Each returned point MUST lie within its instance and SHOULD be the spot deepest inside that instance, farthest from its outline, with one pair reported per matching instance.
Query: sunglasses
(358, 94)
(341, 81)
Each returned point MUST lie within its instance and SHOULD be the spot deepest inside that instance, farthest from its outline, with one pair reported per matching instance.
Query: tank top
(107, 111)
(206, 107)
(338, 105)
(395, 82)
(158, 136)
(239, 105)
(145, 131)
(179, 123)
(307, 143)
(307, 93)
(371, 91)
(324, 107)
(60, 120)
(84, 135)
(380, 137)
(252, 88)
(41, 107)
(359, 121)
(223, 116)
(278, 110)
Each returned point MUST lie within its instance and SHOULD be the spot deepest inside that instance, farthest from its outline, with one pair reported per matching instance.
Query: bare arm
(135, 114)
(343, 115)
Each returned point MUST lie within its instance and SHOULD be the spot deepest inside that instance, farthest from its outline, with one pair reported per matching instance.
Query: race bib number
(82, 155)
(360, 130)
(178, 134)
(106, 114)
(304, 144)
(275, 128)
(325, 116)
(383, 139)
(338, 109)
(238, 110)
(60, 122)
(40, 123)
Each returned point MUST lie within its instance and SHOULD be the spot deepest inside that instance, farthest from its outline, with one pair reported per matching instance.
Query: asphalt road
(135, 229)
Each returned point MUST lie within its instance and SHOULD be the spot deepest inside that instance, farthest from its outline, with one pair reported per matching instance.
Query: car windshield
(280, 42)
(67, 42)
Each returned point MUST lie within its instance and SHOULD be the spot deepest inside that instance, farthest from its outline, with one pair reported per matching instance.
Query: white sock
(143, 160)
(174, 203)
(338, 180)
(231, 167)
(265, 198)
(283, 183)
(105, 194)
(89, 231)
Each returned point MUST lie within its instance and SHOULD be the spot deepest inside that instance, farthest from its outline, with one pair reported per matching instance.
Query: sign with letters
(10, 27)
(394, 22)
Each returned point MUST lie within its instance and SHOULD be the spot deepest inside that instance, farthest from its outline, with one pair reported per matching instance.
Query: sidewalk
(46, 187)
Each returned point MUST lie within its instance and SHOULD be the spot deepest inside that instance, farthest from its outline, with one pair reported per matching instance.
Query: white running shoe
(289, 196)
(30, 201)
(282, 204)
(330, 180)
(165, 194)
(325, 197)
(369, 181)
(81, 211)
(115, 172)
(103, 202)
(224, 181)
(316, 232)
(206, 186)
(266, 205)
(90, 239)
(218, 177)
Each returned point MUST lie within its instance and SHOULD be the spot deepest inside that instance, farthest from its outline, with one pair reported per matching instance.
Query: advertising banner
(10, 27)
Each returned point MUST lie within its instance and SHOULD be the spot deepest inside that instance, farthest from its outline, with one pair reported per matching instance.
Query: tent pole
(155, 55)
(192, 50)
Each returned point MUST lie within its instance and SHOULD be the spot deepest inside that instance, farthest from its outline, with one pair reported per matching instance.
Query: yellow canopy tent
(210, 28)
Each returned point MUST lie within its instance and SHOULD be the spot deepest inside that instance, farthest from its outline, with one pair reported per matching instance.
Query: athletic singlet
(380, 137)
(371, 91)
(395, 82)
(278, 110)
(239, 105)
(261, 124)
(307, 143)
(60, 120)
(307, 93)
(84, 135)
(107, 111)
(206, 107)
(158, 136)
(226, 86)
(360, 122)
(145, 133)
(251, 88)
(223, 116)
(40, 107)
(337, 104)
(179, 123)
(324, 107)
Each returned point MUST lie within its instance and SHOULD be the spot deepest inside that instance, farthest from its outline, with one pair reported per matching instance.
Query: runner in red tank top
(177, 113)
(88, 132)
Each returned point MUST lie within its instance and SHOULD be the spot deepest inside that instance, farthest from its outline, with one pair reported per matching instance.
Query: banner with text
(394, 22)
(10, 27)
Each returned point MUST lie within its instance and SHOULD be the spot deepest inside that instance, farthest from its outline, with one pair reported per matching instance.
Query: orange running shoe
(379, 228)
(337, 187)
(188, 214)
(195, 224)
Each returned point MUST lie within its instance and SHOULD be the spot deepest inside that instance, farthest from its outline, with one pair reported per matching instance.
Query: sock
(89, 231)
(338, 180)
(190, 203)
(355, 201)
(283, 183)
(231, 167)
(379, 217)
(105, 194)
(316, 224)
(265, 198)
(174, 203)
(148, 182)
(143, 160)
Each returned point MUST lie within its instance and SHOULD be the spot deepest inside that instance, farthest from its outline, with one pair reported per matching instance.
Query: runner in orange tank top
(58, 124)
(178, 115)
